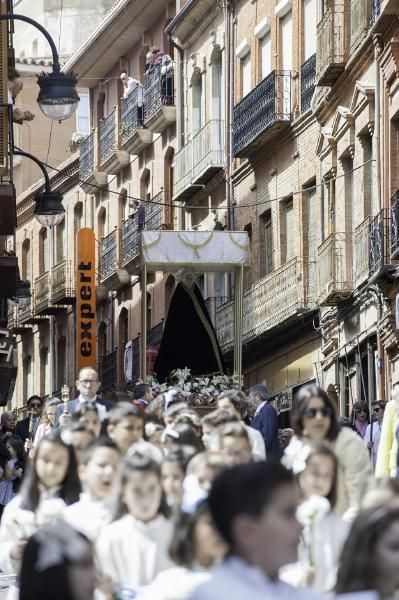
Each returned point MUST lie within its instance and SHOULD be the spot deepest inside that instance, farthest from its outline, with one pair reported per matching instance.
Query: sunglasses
(311, 413)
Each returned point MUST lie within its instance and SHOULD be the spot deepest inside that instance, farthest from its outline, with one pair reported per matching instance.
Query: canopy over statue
(196, 252)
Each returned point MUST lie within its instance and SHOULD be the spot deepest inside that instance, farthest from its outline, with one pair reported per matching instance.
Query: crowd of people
(151, 499)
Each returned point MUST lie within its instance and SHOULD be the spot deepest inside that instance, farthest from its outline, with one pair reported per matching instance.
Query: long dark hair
(17, 444)
(301, 402)
(70, 486)
(358, 566)
(182, 549)
(320, 449)
(4, 455)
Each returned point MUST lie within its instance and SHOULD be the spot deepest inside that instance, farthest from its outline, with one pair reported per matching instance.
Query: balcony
(282, 295)
(362, 252)
(15, 324)
(381, 12)
(360, 22)
(308, 76)
(395, 225)
(335, 269)
(262, 114)
(90, 177)
(111, 275)
(133, 137)
(131, 231)
(379, 246)
(63, 284)
(199, 160)
(332, 46)
(108, 372)
(112, 160)
(159, 98)
(42, 294)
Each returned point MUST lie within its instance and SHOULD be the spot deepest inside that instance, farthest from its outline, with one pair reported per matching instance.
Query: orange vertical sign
(86, 355)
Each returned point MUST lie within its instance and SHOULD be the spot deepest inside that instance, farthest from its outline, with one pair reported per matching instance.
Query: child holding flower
(324, 532)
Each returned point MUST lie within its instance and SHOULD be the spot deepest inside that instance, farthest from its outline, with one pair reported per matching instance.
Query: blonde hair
(205, 460)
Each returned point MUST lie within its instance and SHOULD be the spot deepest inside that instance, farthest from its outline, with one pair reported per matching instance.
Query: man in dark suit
(35, 408)
(265, 419)
(87, 385)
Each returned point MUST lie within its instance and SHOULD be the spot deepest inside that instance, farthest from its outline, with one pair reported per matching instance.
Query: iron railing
(154, 335)
(42, 291)
(267, 303)
(360, 22)
(308, 76)
(154, 213)
(183, 165)
(86, 164)
(107, 137)
(395, 225)
(108, 254)
(108, 373)
(375, 11)
(331, 39)
(379, 229)
(131, 229)
(131, 113)
(268, 102)
(4, 312)
(63, 281)
(335, 267)
(158, 89)
(212, 303)
(207, 148)
(362, 252)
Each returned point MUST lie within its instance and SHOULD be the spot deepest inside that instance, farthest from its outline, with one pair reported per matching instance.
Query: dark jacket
(266, 421)
(73, 406)
(22, 429)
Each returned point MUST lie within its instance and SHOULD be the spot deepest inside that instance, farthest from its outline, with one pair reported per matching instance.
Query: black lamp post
(58, 98)
(49, 210)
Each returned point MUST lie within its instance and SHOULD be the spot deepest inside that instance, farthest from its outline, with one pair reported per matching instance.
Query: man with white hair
(129, 84)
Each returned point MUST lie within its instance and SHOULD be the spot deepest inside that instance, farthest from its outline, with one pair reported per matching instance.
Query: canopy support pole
(143, 337)
(238, 319)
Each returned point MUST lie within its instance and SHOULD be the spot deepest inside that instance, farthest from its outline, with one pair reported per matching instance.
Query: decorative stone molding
(263, 28)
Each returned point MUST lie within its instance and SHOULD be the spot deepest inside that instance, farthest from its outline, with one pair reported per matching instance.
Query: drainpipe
(374, 290)
(229, 104)
(180, 114)
(377, 109)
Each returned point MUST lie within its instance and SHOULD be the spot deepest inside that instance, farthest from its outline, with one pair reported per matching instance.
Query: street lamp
(58, 98)
(49, 210)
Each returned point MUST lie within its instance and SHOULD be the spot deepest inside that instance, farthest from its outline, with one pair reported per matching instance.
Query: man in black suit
(35, 408)
(87, 385)
(265, 419)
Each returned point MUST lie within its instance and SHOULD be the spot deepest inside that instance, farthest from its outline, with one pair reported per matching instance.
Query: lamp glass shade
(49, 210)
(58, 98)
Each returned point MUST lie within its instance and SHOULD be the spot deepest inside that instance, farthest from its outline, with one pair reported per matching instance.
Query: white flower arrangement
(308, 514)
(199, 390)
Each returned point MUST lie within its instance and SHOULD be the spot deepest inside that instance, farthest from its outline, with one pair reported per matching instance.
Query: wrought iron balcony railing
(154, 335)
(108, 139)
(362, 252)
(154, 212)
(332, 44)
(108, 372)
(42, 295)
(63, 283)
(335, 268)
(379, 240)
(109, 254)
(131, 113)
(86, 157)
(308, 76)
(395, 225)
(375, 10)
(269, 302)
(268, 104)
(360, 22)
(158, 89)
(131, 229)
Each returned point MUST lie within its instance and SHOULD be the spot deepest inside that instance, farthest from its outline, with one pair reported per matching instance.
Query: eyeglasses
(362, 412)
(312, 413)
(88, 381)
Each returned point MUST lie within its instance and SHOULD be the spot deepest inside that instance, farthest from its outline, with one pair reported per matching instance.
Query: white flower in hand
(313, 509)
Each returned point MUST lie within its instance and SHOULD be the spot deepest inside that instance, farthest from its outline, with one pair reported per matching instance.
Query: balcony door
(266, 55)
(196, 113)
(284, 83)
(309, 28)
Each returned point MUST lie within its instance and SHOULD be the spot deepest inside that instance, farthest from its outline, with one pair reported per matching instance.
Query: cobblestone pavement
(5, 582)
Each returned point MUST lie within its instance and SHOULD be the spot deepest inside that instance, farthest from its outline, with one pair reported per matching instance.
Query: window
(43, 251)
(197, 104)
(83, 114)
(266, 55)
(247, 272)
(310, 28)
(26, 273)
(268, 242)
(286, 42)
(216, 71)
(246, 74)
(60, 240)
(287, 231)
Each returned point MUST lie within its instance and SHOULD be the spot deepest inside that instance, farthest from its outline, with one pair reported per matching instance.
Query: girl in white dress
(324, 532)
(134, 548)
(51, 483)
(195, 548)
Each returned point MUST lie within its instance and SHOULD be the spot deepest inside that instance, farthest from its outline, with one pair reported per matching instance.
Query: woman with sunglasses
(360, 417)
(314, 419)
(373, 432)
